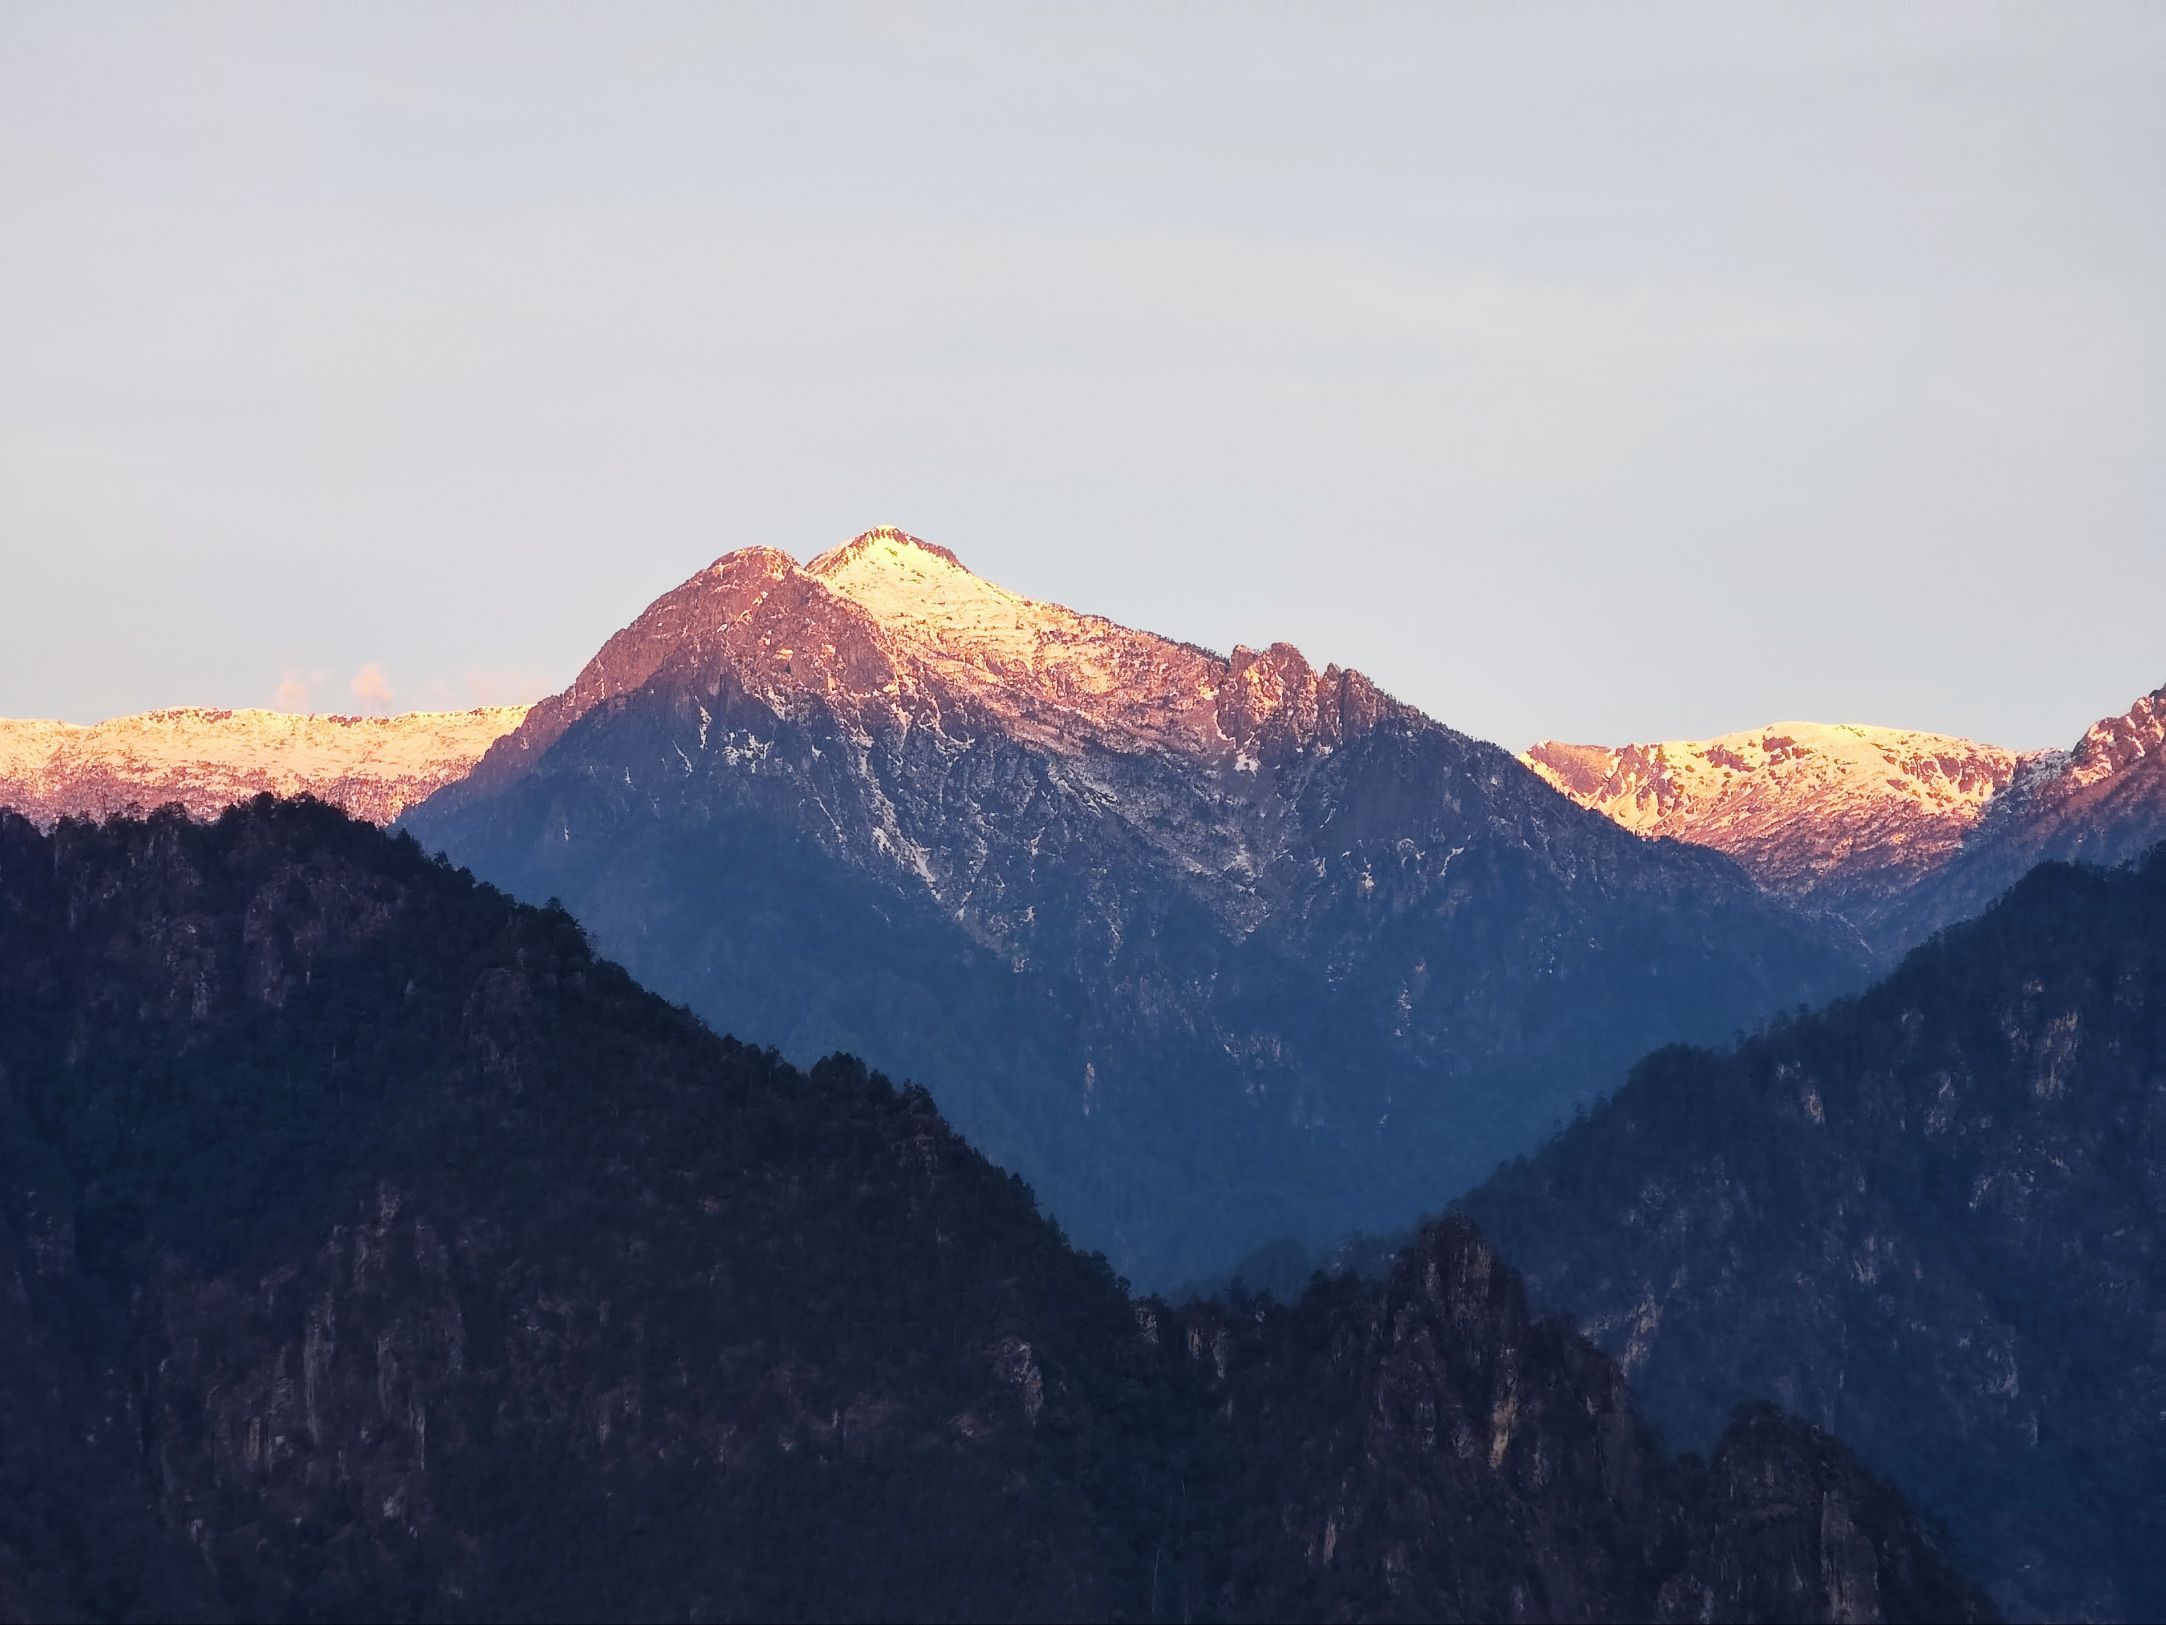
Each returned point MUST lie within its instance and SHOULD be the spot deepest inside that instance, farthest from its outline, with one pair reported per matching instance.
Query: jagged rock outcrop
(206, 760)
(1927, 1219)
(380, 1253)
(2102, 802)
(1429, 1429)
(1211, 949)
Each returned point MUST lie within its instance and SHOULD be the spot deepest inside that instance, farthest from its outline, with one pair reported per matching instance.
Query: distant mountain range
(1215, 950)
(204, 760)
(1211, 949)
(1897, 833)
(1836, 814)
(1931, 1219)
(369, 1249)
(369, 1246)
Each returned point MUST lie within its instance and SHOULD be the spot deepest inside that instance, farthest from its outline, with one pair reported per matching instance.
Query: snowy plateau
(206, 760)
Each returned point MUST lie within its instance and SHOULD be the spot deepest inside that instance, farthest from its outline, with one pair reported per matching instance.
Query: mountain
(369, 1249)
(1211, 949)
(374, 767)
(1899, 834)
(1431, 1452)
(1841, 817)
(2102, 802)
(1928, 1219)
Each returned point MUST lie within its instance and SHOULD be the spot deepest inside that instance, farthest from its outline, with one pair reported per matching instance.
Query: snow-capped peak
(888, 625)
(884, 547)
(923, 592)
(1015, 653)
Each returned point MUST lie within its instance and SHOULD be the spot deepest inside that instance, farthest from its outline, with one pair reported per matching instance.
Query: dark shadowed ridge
(374, 1250)
(1927, 1218)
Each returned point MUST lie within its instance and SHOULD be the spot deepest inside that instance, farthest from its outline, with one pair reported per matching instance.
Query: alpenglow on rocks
(1896, 833)
(208, 760)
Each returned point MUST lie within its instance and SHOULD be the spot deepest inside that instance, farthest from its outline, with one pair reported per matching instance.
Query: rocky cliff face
(1841, 817)
(1928, 1220)
(1212, 949)
(1428, 1431)
(206, 761)
(374, 1251)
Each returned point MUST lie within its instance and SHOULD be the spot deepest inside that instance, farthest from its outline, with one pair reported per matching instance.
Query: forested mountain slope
(1928, 1218)
(370, 1249)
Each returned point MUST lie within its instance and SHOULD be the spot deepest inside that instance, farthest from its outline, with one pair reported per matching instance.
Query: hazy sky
(1600, 372)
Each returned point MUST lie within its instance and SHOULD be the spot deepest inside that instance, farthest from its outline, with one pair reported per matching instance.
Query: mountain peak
(925, 596)
(2114, 744)
(884, 547)
(748, 562)
(885, 618)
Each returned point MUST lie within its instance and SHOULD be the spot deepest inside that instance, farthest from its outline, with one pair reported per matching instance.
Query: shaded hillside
(1928, 1219)
(373, 1250)
(1212, 949)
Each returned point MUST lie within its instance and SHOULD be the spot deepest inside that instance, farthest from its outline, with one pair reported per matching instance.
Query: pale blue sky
(1607, 373)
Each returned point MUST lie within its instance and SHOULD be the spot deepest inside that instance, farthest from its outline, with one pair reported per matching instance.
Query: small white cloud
(370, 687)
(296, 688)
